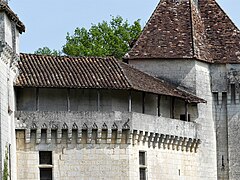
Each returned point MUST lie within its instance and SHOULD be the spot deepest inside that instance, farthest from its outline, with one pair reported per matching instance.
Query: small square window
(45, 157)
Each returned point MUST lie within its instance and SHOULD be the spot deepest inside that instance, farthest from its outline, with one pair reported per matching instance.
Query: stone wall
(227, 78)
(9, 41)
(208, 161)
(220, 89)
(98, 145)
(7, 107)
(225, 86)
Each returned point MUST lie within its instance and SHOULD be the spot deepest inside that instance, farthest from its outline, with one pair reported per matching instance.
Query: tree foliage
(104, 39)
(47, 51)
(5, 166)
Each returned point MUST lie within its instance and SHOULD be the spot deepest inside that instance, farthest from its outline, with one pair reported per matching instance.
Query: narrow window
(142, 165)
(45, 165)
(233, 94)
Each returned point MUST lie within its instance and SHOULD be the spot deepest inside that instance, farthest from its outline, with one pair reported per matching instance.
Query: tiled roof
(90, 72)
(182, 29)
(222, 34)
(5, 8)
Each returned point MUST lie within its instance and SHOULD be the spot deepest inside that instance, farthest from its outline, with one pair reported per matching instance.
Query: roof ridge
(123, 71)
(68, 56)
(192, 28)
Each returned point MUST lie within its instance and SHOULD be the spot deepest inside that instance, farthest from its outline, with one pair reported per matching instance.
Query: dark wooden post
(186, 111)
(37, 99)
(173, 108)
(98, 100)
(158, 105)
(68, 99)
(143, 102)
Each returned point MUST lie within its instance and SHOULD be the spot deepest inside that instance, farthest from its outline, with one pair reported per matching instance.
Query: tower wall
(7, 107)
(8, 57)
(220, 110)
(9, 33)
(225, 83)
(195, 77)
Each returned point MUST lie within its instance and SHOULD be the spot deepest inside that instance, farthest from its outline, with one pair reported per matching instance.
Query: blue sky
(48, 21)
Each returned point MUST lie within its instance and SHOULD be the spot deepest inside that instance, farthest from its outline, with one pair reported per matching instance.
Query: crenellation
(156, 140)
(27, 136)
(161, 139)
(183, 144)
(165, 141)
(193, 145)
(99, 136)
(188, 145)
(219, 98)
(90, 140)
(49, 136)
(128, 134)
(109, 136)
(175, 142)
(79, 136)
(59, 136)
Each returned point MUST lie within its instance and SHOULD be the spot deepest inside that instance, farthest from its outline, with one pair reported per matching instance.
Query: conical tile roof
(188, 29)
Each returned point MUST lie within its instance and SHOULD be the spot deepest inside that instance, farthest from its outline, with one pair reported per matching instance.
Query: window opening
(45, 165)
(45, 157)
(233, 94)
(45, 173)
(142, 165)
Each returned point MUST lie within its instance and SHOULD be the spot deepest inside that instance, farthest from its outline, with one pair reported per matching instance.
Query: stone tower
(195, 45)
(10, 28)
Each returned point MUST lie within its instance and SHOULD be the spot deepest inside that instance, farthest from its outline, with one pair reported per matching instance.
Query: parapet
(116, 128)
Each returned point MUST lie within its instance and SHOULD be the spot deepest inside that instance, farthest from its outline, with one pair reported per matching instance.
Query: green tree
(47, 51)
(104, 39)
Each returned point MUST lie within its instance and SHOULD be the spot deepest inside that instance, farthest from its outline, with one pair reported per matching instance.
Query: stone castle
(168, 111)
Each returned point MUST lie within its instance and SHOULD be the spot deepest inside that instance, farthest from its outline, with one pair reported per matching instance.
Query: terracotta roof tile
(223, 36)
(90, 72)
(167, 33)
(182, 29)
(5, 8)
